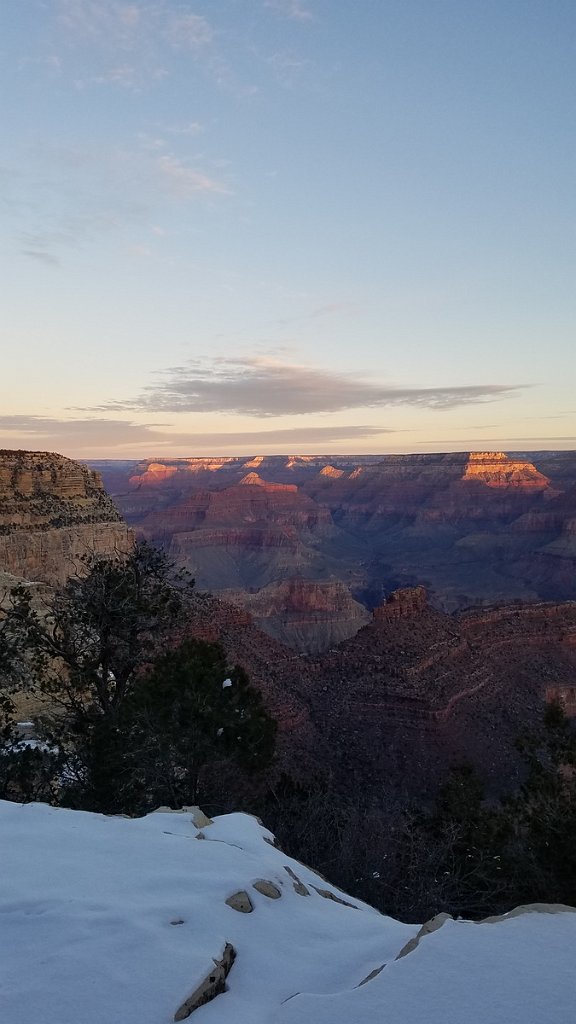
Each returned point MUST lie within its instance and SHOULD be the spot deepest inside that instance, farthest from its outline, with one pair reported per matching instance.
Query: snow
(109, 919)
(226, 684)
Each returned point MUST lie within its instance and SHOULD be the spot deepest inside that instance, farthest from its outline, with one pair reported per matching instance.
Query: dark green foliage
(544, 812)
(463, 855)
(130, 722)
(102, 629)
(27, 771)
(192, 696)
(177, 724)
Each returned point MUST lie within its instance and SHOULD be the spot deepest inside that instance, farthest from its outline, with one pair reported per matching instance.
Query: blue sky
(246, 226)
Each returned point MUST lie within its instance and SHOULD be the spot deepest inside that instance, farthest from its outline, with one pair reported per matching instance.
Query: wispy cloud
(293, 9)
(189, 31)
(50, 432)
(341, 309)
(41, 257)
(109, 19)
(185, 128)
(107, 435)
(287, 67)
(129, 27)
(266, 387)
(334, 308)
(295, 436)
(64, 198)
(128, 44)
(490, 444)
(184, 181)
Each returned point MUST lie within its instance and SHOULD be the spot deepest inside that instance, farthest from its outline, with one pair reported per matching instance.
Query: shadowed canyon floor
(415, 690)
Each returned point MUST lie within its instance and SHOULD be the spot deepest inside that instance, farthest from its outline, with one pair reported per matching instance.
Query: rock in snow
(89, 905)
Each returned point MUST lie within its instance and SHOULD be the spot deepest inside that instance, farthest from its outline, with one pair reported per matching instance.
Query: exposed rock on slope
(411, 693)
(390, 708)
(244, 536)
(305, 614)
(54, 511)
(401, 604)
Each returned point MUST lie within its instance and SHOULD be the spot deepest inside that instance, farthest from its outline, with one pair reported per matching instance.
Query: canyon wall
(308, 615)
(53, 513)
(474, 528)
(415, 691)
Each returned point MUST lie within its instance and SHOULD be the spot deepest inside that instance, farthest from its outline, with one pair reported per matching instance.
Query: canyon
(287, 537)
(415, 689)
(376, 694)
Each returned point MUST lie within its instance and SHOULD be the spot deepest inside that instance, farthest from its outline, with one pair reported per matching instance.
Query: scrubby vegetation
(134, 719)
(465, 854)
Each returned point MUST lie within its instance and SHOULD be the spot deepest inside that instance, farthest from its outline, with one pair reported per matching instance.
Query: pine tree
(130, 721)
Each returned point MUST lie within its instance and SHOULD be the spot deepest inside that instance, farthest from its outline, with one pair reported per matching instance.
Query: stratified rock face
(243, 536)
(54, 512)
(402, 604)
(308, 615)
(474, 528)
(411, 693)
(496, 469)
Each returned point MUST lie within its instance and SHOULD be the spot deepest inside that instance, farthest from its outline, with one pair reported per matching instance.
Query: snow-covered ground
(108, 920)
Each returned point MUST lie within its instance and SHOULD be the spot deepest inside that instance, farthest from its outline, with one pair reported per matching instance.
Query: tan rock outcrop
(427, 928)
(212, 985)
(241, 902)
(266, 888)
(496, 469)
(53, 513)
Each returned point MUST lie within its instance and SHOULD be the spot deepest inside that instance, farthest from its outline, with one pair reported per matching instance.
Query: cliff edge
(53, 512)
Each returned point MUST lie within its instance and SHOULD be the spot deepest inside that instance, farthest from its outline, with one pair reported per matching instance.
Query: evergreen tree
(190, 711)
(129, 722)
(101, 629)
(543, 814)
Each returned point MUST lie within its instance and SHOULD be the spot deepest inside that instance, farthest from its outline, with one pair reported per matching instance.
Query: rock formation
(401, 604)
(53, 513)
(496, 469)
(411, 692)
(473, 527)
(308, 615)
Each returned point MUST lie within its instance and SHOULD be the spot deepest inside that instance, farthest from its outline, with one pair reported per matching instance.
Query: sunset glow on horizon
(287, 226)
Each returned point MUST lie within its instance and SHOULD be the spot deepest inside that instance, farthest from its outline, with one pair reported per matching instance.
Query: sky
(287, 226)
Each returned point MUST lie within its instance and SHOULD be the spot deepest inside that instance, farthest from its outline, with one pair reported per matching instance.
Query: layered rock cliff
(307, 615)
(53, 513)
(401, 604)
(243, 536)
(415, 691)
(472, 527)
(496, 469)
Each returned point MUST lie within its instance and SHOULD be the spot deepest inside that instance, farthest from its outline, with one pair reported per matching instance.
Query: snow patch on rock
(89, 905)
